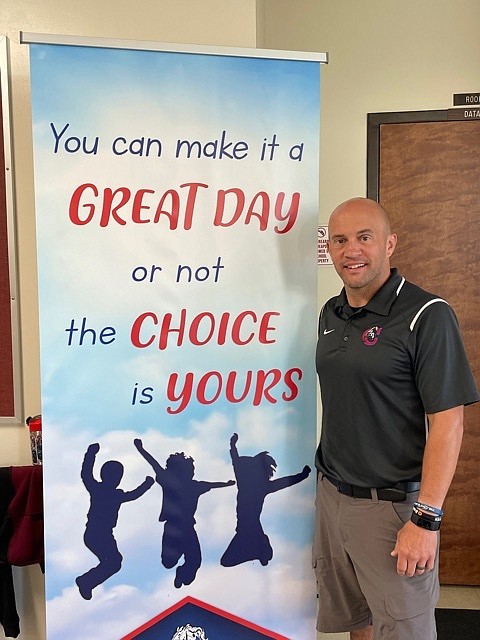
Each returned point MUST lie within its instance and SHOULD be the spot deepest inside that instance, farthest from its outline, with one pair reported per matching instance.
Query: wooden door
(425, 170)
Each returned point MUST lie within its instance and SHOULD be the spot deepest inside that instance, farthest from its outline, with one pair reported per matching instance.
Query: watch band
(425, 523)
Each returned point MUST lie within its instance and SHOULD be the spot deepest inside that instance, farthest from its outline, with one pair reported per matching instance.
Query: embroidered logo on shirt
(370, 336)
(325, 331)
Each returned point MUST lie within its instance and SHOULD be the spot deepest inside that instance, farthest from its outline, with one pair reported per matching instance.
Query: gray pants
(356, 576)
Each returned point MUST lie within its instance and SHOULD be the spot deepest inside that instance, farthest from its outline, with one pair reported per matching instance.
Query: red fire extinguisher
(35, 426)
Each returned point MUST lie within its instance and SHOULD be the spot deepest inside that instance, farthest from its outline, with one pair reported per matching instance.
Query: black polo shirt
(381, 369)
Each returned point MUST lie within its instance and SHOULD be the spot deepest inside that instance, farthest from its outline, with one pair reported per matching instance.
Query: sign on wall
(176, 203)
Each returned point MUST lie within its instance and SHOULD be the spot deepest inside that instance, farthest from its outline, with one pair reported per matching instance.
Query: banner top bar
(174, 47)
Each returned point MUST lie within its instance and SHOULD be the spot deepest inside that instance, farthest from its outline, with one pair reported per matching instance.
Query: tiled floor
(459, 598)
(450, 598)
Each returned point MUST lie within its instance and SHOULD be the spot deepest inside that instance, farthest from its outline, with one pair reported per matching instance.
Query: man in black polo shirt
(394, 379)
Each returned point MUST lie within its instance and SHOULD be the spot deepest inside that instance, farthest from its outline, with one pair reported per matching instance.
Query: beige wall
(385, 55)
(212, 22)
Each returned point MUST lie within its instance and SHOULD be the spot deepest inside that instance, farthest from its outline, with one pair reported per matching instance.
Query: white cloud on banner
(76, 619)
(138, 532)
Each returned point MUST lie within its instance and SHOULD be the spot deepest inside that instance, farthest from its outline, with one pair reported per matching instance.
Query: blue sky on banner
(89, 104)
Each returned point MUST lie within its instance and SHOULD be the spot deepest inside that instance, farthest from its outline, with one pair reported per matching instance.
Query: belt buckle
(393, 495)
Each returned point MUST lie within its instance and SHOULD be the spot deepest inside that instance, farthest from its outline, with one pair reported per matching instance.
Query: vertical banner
(177, 204)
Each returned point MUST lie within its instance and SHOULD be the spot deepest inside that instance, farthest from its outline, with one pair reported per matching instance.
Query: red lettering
(185, 393)
(265, 327)
(212, 385)
(137, 327)
(230, 206)
(191, 199)
(204, 328)
(166, 329)
(230, 387)
(291, 214)
(222, 328)
(75, 203)
(138, 206)
(220, 209)
(237, 325)
(193, 331)
(292, 386)
(174, 212)
(264, 212)
(263, 389)
(202, 385)
(109, 210)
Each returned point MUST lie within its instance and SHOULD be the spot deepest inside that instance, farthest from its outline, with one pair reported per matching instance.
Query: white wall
(385, 55)
(213, 22)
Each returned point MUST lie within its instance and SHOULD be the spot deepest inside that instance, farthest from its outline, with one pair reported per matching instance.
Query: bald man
(393, 371)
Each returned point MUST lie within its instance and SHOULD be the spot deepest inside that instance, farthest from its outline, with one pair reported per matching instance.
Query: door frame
(448, 575)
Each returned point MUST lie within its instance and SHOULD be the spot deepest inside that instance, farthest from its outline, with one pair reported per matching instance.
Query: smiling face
(360, 245)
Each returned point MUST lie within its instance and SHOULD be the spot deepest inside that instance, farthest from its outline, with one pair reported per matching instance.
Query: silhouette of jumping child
(105, 501)
(180, 500)
(253, 475)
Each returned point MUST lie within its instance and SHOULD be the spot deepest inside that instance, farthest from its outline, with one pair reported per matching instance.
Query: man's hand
(415, 550)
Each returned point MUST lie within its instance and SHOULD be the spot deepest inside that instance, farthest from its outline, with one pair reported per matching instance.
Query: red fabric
(26, 515)
(21, 534)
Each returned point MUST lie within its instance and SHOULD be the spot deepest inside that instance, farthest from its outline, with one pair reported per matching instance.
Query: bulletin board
(9, 347)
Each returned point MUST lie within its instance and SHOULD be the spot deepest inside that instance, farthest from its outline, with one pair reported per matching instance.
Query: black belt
(396, 493)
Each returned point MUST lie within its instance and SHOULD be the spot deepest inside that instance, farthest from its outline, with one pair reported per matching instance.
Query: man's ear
(391, 243)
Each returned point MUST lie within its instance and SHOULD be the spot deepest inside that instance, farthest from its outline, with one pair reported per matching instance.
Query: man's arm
(417, 546)
(441, 455)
